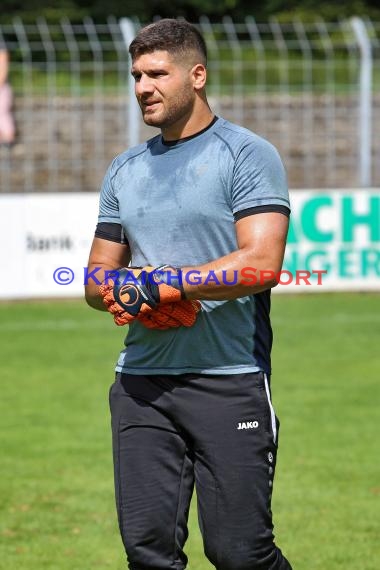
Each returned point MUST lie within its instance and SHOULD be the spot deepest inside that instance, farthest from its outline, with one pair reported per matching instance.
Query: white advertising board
(333, 242)
(40, 234)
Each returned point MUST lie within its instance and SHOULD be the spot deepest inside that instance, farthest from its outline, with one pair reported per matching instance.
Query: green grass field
(56, 485)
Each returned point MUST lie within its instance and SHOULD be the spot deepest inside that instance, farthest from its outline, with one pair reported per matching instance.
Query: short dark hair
(175, 36)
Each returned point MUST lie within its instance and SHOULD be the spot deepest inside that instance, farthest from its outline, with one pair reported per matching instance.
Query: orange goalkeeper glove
(171, 315)
(137, 292)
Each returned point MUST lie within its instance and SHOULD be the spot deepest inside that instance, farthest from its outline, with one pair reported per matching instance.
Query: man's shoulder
(238, 137)
(133, 152)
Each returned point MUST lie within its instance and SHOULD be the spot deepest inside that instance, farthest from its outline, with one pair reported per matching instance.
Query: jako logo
(248, 425)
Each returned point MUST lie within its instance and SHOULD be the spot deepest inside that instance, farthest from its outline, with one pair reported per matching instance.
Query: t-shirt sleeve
(108, 204)
(259, 177)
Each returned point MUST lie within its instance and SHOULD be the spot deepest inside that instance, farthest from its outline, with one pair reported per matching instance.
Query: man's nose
(144, 85)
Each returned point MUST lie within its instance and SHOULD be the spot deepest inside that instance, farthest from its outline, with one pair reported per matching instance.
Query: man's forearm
(96, 274)
(235, 275)
(230, 277)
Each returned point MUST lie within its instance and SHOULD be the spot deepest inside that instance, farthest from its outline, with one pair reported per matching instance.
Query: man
(206, 202)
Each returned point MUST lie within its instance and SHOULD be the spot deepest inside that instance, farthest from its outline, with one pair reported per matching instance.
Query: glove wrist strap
(171, 276)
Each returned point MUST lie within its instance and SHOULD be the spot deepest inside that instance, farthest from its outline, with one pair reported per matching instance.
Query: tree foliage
(190, 9)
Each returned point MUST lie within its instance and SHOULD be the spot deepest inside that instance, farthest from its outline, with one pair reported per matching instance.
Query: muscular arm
(261, 242)
(106, 255)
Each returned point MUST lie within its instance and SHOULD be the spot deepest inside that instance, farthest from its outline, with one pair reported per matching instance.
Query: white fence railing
(311, 89)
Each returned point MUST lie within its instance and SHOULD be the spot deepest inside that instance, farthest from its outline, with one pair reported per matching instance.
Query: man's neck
(190, 137)
(188, 127)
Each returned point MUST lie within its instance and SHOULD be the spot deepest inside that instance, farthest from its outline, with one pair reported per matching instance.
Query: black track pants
(217, 431)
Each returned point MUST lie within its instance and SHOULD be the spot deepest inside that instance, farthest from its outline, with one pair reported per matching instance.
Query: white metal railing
(311, 89)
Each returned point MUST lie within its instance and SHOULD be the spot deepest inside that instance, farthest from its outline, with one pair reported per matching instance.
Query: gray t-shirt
(177, 205)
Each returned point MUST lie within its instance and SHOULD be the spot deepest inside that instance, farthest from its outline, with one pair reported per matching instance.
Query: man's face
(163, 88)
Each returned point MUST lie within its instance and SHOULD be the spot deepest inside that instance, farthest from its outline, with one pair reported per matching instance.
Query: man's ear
(199, 75)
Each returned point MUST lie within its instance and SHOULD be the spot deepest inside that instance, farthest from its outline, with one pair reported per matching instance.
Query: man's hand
(171, 315)
(148, 294)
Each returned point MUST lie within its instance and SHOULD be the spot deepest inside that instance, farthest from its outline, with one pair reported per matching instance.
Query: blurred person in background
(7, 124)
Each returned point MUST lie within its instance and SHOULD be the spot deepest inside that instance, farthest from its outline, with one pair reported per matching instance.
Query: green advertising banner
(333, 241)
